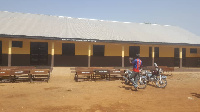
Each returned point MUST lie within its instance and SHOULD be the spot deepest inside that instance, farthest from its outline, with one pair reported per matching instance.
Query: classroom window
(98, 50)
(68, 49)
(17, 44)
(193, 50)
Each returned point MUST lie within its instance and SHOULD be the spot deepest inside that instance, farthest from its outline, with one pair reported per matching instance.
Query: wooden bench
(8, 68)
(166, 68)
(116, 73)
(21, 75)
(5, 76)
(101, 74)
(83, 73)
(97, 73)
(92, 73)
(151, 68)
(16, 67)
(39, 74)
(12, 75)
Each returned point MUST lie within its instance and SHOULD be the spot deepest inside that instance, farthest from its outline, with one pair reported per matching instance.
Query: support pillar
(153, 56)
(122, 56)
(89, 55)
(180, 57)
(52, 55)
(9, 52)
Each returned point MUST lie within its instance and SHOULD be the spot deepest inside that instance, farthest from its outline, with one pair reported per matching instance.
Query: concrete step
(64, 71)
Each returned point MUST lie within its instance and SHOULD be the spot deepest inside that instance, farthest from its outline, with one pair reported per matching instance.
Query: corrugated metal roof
(12, 23)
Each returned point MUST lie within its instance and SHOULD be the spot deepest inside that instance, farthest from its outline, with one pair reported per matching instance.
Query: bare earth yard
(63, 94)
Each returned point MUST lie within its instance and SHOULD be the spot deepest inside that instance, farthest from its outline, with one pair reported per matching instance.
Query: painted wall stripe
(180, 52)
(122, 51)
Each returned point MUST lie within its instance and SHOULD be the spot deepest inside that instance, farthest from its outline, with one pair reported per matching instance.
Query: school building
(57, 41)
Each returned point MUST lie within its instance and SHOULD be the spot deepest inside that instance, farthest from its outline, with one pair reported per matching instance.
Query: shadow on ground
(196, 95)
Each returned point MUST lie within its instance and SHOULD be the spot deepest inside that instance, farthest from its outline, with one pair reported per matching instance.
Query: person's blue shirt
(136, 65)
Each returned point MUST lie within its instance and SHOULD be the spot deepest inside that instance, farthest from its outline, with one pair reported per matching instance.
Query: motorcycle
(141, 80)
(156, 77)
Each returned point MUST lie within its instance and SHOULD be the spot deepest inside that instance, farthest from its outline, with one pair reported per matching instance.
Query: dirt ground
(63, 94)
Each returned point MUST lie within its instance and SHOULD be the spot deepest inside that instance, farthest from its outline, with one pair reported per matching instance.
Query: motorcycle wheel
(127, 82)
(161, 83)
(142, 84)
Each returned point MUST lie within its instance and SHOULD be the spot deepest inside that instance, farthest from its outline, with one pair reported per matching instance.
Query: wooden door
(39, 53)
(176, 57)
(183, 57)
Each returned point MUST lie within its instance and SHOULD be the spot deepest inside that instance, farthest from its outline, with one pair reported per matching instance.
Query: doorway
(39, 53)
(183, 57)
(176, 57)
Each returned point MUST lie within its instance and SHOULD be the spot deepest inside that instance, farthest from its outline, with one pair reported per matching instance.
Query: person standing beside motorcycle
(136, 69)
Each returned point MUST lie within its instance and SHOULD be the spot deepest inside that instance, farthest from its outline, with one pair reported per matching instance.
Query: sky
(181, 13)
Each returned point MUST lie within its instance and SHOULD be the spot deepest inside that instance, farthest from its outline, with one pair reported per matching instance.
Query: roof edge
(93, 40)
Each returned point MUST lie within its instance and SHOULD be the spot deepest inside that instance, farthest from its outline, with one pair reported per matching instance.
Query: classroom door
(39, 53)
(176, 57)
(183, 57)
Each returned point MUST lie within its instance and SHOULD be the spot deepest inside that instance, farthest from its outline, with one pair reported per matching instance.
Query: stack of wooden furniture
(23, 73)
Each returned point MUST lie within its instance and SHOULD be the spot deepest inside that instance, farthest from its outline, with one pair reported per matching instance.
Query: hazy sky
(181, 13)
